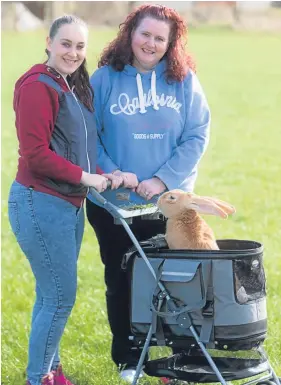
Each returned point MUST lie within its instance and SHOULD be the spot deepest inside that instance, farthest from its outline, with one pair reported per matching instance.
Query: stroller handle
(97, 195)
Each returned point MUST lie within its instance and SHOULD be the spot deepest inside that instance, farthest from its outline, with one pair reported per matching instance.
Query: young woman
(153, 124)
(53, 103)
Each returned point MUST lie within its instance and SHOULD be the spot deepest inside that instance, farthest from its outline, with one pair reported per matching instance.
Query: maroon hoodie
(36, 105)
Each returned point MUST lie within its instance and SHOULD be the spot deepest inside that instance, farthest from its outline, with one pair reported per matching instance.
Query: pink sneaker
(46, 380)
(166, 381)
(59, 377)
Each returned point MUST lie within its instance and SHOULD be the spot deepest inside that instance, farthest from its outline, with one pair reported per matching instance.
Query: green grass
(241, 75)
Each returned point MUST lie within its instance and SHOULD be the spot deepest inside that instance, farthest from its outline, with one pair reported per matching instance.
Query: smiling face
(150, 42)
(67, 48)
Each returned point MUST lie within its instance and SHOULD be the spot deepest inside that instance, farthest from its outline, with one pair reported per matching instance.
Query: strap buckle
(208, 309)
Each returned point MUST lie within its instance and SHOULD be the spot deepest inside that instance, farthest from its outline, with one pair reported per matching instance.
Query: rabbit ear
(204, 205)
(228, 208)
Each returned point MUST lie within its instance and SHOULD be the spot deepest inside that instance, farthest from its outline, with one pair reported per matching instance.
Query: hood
(156, 73)
(32, 75)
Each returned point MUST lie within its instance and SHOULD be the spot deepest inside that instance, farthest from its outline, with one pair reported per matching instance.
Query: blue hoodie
(149, 127)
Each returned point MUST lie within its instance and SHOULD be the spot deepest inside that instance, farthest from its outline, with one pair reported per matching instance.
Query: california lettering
(131, 107)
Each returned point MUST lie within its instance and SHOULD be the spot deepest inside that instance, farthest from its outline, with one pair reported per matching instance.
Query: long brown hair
(80, 78)
(119, 52)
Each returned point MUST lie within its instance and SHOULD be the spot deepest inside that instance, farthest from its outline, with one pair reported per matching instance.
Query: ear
(228, 208)
(205, 206)
(48, 43)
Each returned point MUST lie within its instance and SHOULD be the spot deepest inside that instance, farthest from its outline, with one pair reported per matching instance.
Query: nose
(72, 52)
(150, 42)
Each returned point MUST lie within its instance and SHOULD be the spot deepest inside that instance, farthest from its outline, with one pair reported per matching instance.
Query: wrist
(160, 180)
(83, 179)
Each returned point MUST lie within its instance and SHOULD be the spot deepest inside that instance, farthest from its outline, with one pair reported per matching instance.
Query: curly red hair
(119, 52)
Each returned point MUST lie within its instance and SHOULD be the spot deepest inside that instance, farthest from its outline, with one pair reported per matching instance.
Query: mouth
(70, 61)
(148, 51)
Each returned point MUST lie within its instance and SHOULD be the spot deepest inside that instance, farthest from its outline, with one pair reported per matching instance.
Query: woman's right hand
(130, 180)
(97, 181)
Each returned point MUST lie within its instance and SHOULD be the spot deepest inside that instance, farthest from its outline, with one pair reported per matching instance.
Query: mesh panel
(249, 279)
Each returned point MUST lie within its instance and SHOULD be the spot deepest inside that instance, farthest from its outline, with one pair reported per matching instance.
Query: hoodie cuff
(162, 175)
(76, 175)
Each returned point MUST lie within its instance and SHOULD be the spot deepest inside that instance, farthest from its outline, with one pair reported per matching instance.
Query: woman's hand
(150, 187)
(116, 180)
(97, 181)
(130, 180)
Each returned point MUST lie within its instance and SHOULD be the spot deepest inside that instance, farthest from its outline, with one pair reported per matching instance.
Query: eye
(160, 39)
(172, 197)
(67, 45)
(80, 47)
(145, 34)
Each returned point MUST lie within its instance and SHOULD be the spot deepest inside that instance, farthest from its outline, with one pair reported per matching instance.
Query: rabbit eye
(172, 197)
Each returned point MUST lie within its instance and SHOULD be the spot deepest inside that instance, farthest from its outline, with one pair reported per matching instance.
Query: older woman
(153, 124)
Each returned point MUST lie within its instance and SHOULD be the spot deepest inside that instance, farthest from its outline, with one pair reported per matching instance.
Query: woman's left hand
(116, 180)
(150, 187)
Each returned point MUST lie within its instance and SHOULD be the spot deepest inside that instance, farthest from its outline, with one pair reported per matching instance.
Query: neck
(62, 75)
(139, 66)
(190, 216)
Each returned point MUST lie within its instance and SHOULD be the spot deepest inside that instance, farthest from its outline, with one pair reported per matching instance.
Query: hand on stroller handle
(123, 212)
(97, 195)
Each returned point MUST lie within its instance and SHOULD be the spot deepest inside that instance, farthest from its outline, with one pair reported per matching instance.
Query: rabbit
(186, 229)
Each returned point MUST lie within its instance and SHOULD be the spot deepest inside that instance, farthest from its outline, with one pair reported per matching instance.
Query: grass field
(241, 74)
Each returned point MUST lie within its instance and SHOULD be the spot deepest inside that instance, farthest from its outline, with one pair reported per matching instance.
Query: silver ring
(146, 193)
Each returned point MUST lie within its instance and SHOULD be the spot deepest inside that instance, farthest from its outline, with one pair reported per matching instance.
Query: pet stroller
(211, 304)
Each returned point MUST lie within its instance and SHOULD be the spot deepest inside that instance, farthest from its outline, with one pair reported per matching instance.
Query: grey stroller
(210, 304)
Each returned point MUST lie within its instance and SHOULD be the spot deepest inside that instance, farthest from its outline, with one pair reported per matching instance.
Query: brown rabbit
(187, 230)
(185, 227)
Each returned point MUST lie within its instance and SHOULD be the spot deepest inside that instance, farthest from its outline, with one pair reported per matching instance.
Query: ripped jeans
(49, 231)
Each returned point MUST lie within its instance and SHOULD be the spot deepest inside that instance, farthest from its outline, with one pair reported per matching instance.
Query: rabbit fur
(186, 229)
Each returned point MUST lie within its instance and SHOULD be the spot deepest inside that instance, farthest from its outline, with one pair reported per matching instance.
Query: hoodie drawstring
(141, 96)
(153, 92)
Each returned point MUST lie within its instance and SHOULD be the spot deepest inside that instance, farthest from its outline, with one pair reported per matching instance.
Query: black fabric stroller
(209, 303)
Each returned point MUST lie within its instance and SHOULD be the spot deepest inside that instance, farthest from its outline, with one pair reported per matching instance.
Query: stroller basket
(223, 291)
(220, 292)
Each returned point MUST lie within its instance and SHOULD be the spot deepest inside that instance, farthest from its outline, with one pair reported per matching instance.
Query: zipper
(84, 122)
(86, 131)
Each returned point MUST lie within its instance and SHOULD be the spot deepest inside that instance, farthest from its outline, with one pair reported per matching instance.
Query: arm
(194, 139)
(100, 88)
(104, 162)
(36, 111)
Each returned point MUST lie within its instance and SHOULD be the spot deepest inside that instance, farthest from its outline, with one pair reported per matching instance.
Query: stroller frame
(125, 217)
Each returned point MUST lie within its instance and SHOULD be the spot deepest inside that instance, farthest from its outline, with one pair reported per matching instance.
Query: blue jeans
(49, 231)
